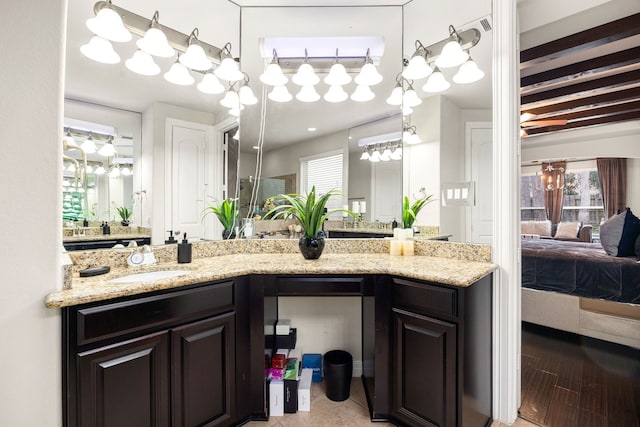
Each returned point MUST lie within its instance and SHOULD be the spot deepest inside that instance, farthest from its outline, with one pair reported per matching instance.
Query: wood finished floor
(574, 381)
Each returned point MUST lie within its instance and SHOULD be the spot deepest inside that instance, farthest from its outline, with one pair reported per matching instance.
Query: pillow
(541, 228)
(567, 230)
(619, 233)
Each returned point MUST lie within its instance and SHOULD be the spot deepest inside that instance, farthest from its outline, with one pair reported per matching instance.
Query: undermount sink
(149, 276)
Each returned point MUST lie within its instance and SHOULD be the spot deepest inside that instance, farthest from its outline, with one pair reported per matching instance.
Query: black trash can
(338, 368)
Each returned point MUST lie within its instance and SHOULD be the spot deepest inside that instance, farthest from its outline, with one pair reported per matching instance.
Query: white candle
(363, 207)
(395, 247)
(355, 207)
(346, 208)
(407, 247)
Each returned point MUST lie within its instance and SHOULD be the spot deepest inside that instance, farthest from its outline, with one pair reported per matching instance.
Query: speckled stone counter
(455, 264)
(97, 237)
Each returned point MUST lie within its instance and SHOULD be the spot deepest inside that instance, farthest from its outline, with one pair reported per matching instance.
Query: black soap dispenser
(184, 251)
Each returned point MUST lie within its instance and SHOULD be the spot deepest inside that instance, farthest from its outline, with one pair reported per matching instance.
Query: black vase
(228, 234)
(124, 222)
(311, 247)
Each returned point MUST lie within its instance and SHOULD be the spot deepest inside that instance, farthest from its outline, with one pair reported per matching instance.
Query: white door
(387, 192)
(188, 190)
(481, 160)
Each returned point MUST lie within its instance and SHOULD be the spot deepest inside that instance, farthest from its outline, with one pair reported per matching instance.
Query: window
(582, 197)
(325, 171)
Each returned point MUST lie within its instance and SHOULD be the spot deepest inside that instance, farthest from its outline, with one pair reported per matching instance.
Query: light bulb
(436, 82)
(337, 75)
(210, 84)
(368, 76)
(468, 73)
(406, 110)
(100, 50)
(108, 25)
(142, 63)
(155, 43)
(305, 76)
(362, 93)
(280, 94)
(335, 94)
(178, 74)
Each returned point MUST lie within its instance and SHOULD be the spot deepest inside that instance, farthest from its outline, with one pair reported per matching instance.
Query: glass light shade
(417, 68)
(308, 94)
(365, 155)
(108, 25)
(195, 58)
(178, 74)
(468, 73)
(210, 84)
(235, 111)
(65, 183)
(414, 139)
(155, 43)
(386, 155)
(305, 76)
(246, 96)
(337, 75)
(362, 93)
(114, 172)
(405, 135)
(396, 154)
(89, 169)
(368, 75)
(406, 110)
(335, 94)
(411, 98)
(107, 149)
(125, 171)
(452, 55)
(236, 135)
(99, 170)
(231, 99)
(100, 50)
(273, 75)
(375, 157)
(396, 96)
(229, 70)
(71, 167)
(142, 63)
(89, 145)
(280, 94)
(436, 82)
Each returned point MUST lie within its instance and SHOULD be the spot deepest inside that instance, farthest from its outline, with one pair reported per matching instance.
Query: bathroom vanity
(189, 351)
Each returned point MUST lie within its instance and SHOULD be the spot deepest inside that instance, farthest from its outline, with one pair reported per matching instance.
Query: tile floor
(351, 412)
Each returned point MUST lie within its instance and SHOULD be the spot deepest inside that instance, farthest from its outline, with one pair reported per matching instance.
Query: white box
(276, 398)
(283, 327)
(304, 390)
(284, 351)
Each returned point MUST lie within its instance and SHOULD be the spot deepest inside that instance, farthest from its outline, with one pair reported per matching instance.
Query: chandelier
(381, 148)
(552, 177)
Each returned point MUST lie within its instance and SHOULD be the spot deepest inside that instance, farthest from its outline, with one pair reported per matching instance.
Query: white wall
(452, 162)
(31, 117)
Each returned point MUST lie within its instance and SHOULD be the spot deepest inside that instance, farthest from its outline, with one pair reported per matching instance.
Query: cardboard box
(313, 361)
(276, 398)
(304, 390)
(283, 327)
(291, 387)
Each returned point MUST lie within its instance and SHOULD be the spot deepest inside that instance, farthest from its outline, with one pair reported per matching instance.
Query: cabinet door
(203, 372)
(125, 384)
(424, 370)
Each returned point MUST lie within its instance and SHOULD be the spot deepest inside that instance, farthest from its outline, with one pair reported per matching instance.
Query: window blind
(326, 174)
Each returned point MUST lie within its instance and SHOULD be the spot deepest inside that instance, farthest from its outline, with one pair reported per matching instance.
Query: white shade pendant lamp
(337, 74)
(368, 75)
(100, 50)
(468, 73)
(396, 95)
(125, 170)
(305, 76)
(336, 94)
(246, 95)
(100, 170)
(410, 98)
(418, 68)
(89, 145)
(396, 154)
(228, 69)
(210, 84)
(114, 172)
(386, 155)
(280, 94)
(108, 25)
(108, 149)
(452, 54)
(231, 99)
(155, 41)
(375, 157)
(273, 75)
(406, 110)
(436, 82)
(142, 63)
(195, 57)
(307, 94)
(178, 74)
(235, 111)
(365, 155)
(362, 93)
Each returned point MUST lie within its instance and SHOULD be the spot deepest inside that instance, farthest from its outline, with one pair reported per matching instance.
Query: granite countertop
(462, 272)
(94, 237)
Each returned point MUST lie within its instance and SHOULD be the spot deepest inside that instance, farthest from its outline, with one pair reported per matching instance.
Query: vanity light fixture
(114, 172)
(336, 94)
(280, 94)
(71, 167)
(100, 50)
(210, 84)
(235, 111)
(409, 136)
(108, 149)
(418, 67)
(452, 54)
(365, 155)
(468, 72)
(273, 75)
(89, 168)
(307, 93)
(368, 75)
(195, 57)
(337, 75)
(363, 93)
(228, 69)
(305, 76)
(406, 111)
(375, 157)
(155, 41)
(410, 98)
(108, 24)
(100, 170)
(246, 93)
(125, 170)
(396, 94)
(89, 145)
(397, 153)
(142, 63)
(178, 74)
(231, 99)
(236, 135)
(436, 82)
(386, 155)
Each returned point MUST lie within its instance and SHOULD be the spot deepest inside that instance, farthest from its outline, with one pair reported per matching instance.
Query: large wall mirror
(294, 132)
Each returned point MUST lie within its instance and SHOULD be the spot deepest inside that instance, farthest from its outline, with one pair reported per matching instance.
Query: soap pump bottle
(184, 251)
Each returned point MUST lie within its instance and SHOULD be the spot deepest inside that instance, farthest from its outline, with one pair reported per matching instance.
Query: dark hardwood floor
(573, 381)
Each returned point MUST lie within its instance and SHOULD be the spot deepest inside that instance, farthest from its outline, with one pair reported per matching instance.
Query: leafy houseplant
(410, 211)
(125, 213)
(227, 213)
(309, 211)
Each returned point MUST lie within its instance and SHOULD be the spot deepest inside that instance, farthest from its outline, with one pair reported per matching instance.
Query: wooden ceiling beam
(581, 69)
(588, 39)
(595, 100)
(622, 117)
(600, 111)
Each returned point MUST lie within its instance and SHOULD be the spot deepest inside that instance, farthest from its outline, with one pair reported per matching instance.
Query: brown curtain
(553, 183)
(612, 173)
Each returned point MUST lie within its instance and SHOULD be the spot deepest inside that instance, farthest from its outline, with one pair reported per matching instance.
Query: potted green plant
(125, 213)
(410, 211)
(309, 211)
(227, 213)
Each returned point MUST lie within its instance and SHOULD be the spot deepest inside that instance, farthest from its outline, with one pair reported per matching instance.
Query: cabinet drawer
(319, 286)
(121, 318)
(425, 298)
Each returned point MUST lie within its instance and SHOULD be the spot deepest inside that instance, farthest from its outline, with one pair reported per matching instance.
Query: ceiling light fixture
(195, 57)
(108, 24)
(155, 41)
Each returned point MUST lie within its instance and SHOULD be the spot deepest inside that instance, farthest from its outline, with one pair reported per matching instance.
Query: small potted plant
(227, 213)
(309, 211)
(125, 213)
(410, 211)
